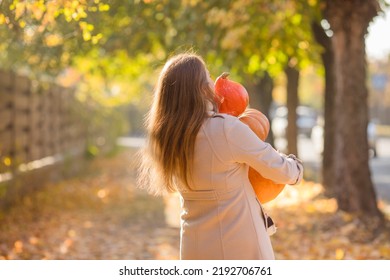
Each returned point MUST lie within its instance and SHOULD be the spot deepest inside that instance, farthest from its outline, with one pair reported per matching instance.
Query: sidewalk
(99, 216)
(102, 215)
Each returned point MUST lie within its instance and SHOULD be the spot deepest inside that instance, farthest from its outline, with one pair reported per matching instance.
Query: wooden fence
(39, 126)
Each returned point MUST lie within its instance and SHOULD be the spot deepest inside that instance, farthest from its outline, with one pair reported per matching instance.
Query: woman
(205, 156)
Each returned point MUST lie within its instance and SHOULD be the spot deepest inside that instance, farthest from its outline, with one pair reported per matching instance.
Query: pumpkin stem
(224, 75)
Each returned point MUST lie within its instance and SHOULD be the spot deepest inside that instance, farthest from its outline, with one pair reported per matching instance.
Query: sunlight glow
(378, 38)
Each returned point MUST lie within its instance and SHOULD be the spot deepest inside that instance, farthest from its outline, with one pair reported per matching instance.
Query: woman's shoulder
(218, 128)
(224, 122)
(222, 118)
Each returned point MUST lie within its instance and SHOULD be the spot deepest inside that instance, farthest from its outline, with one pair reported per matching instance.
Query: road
(380, 165)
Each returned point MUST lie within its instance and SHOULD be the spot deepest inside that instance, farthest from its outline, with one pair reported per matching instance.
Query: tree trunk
(260, 98)
(292, 103)
(328, 155)
(353, 187)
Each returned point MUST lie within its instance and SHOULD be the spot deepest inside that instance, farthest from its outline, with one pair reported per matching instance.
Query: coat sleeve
(246, 147)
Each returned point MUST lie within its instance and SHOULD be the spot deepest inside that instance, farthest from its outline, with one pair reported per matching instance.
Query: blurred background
(77, 78)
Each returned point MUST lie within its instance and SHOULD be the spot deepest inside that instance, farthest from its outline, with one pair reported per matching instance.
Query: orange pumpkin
(257, 121)
(232, 97)
(265, 189)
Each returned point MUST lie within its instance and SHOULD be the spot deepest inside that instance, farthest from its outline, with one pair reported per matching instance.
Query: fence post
(21, 117)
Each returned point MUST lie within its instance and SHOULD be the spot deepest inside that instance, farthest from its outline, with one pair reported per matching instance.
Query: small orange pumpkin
(265, 189)
(232, 97)
(257, 121)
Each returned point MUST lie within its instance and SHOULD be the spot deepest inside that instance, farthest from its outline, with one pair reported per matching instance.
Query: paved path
(100, 215)
(380, 165)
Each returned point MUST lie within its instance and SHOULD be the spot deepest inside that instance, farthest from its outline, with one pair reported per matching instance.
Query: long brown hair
(181, 101)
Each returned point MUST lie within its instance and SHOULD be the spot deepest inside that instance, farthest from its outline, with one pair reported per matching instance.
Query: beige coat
(222, 218)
